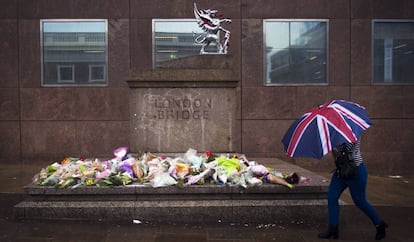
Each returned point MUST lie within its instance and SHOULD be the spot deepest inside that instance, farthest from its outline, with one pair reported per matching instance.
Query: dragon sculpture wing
(204, 20)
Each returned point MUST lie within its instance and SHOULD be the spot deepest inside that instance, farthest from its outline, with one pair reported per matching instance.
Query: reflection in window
(74, 52)
(295, 52)
(175, 39)
(96, 73)
(393, 52)
(66, 73)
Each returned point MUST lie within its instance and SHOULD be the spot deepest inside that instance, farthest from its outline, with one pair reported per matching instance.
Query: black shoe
(331, 232)
(381, 230)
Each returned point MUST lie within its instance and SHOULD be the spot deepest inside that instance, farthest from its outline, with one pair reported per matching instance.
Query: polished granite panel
(9, 104)
(392, 9)
(32, 9)
(407, 134)
(284, 102)
(338, 51)
(182, 8)
(308, 97)
(269, 102)
(101, 103)
(8, 9)
(252, 47)
(295, 9)
(9, 142)
(311, 96)
(264, 136)
(360, 52)
(385, 135)
(48, 104)
(385, 102)
(52, 139)
(8, 53)
(140, 48)
(29, 53)
(389, 163)
(118, 52)
(409, 98)
(235, 45)
(100, 138)
(361, 9)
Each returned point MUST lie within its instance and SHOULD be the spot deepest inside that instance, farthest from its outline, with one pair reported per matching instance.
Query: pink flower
(121, 152)
(102, 175)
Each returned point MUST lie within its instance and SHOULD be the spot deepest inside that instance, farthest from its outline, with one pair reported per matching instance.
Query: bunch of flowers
(159, 171)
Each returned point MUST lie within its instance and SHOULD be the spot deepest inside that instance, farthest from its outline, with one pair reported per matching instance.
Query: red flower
(209, 154)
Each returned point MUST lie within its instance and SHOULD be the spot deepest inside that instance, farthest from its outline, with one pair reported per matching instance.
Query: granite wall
(43, 124)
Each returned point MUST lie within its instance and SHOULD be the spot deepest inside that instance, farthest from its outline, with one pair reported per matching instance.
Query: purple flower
(126, 167)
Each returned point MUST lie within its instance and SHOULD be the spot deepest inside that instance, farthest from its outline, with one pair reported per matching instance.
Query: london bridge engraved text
(182, 108)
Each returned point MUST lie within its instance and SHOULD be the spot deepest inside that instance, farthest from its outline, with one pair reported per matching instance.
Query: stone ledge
(195, 192)
(207, 61)
(176, 211)
(179, 78)
(169, 190)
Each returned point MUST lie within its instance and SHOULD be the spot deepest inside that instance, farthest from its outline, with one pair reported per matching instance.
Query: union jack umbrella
(320, 129)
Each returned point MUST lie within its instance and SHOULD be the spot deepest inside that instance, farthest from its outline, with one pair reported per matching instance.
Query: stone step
(196, 203)
(239, 211)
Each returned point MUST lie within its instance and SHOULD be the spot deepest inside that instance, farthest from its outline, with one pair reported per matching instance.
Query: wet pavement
(392, 197)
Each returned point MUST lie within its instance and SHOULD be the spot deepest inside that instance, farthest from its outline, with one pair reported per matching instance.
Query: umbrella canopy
(320, 129)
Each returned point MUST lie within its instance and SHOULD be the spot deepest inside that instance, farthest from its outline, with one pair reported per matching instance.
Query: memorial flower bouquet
(73, 172)
(159, 170)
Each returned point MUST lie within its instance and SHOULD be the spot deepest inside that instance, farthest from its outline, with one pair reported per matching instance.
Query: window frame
(326, 21)
(58, 83)
(373, 54)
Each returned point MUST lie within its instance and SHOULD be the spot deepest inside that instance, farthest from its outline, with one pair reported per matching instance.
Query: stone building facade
(40, 124)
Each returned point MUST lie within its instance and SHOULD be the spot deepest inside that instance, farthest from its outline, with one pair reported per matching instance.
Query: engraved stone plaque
(176, 119)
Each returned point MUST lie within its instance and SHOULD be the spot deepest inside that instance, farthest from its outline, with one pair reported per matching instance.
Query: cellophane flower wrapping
(154, 170)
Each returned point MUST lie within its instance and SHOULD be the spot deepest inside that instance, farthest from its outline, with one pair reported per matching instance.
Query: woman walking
(357, 187)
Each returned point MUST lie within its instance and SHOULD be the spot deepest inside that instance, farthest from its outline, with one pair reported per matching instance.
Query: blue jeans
(357, 185)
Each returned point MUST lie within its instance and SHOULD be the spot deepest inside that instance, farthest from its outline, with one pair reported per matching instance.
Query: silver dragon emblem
(210, 22)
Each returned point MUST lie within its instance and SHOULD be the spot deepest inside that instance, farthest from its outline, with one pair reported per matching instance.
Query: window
(175, 39)
(74, 52)
(393, 52)
(96, 73)
(295, 52)
(66, 73)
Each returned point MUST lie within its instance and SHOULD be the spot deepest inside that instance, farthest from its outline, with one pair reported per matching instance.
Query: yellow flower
(89, 182)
